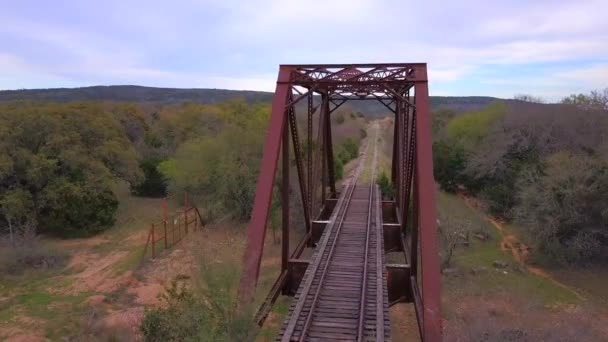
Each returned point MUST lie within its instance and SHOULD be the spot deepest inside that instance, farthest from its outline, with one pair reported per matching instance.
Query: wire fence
(171, 229)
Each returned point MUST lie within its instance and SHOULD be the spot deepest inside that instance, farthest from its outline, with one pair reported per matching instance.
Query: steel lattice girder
(390, 84)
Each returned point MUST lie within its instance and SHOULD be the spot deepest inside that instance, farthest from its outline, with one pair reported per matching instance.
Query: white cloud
(240, 43)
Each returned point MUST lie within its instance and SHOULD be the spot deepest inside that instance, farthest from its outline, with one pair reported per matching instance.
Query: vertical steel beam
(410, 145)
(397, 159)
(329, 149)
(431, 292)
(256, 232)
(395, 139)
(309, 152)
(285, 200)
(323, 147)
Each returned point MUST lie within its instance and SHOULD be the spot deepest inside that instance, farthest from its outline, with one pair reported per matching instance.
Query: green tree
(154, 183)
(15, 205)
(470, 129)
(449, 163)
(59, 162)
(563, 207)
(221, 169)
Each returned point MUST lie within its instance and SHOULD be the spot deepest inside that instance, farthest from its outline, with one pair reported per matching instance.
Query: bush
(23, 255)
(349, 150)
(204, 309)
(449, 162)
(500, 198)
(385, 185)
(340, 119)
(154, 183)
(79, 212)
(338, 169)
(563, 208)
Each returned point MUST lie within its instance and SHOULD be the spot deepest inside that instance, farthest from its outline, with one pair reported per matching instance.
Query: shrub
(563, 208)
(449, 162)
(338, 168)
(29, 254)
(340, 119)
(385, 185)
(78, 212)
(350, 148)
(454, 231)
(154, 183)
(201, 309)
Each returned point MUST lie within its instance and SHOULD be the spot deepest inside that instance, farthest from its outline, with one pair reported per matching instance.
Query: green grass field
(481, 255)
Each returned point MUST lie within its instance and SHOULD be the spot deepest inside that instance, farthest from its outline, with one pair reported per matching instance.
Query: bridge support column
(256, 232)
(425, 194)
(285, 202)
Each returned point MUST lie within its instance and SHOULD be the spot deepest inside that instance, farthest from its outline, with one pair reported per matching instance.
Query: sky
(546, 48)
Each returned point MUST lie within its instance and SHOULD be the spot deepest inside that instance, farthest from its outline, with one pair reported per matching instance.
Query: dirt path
(519, 250)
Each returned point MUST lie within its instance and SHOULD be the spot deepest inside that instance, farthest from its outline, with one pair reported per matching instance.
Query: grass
(481, 255)
(38, 310)
(591, 281)
(130, 262)
(275, 320)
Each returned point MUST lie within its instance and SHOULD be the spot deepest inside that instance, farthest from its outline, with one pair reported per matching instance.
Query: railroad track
(343, 293)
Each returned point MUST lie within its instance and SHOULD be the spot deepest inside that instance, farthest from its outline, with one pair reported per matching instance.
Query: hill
(131, 93)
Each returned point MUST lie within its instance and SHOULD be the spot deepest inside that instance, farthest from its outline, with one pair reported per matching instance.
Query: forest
(541, 166)
(61, 162)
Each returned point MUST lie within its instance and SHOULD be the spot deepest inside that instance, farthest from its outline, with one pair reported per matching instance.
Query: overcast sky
(548, 48)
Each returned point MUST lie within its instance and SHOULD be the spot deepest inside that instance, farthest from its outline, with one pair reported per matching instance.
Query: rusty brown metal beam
(431, 278)
(285, 200)
(256, 231)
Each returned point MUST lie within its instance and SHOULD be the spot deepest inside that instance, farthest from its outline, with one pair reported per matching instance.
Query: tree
(470, 129)
(564, 207)
(596, 100)
(221, 169)
(58, 165)
(154, 183)
(15, 205)
(449, 162)
(528, 98)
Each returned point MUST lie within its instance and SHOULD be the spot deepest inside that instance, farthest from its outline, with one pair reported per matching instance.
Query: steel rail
(289, 331)
(362, 301)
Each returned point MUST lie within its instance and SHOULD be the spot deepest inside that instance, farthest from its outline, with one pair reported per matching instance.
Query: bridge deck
(343, 294)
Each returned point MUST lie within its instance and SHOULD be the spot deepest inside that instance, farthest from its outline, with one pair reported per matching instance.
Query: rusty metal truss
(408, 219)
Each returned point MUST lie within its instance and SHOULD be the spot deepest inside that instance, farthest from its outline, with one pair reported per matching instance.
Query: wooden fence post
(186, 220)
(164, 205)
(153, 240)
(195, 221)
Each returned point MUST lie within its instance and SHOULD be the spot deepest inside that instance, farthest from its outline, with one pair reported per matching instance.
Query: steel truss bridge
(343, 291)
